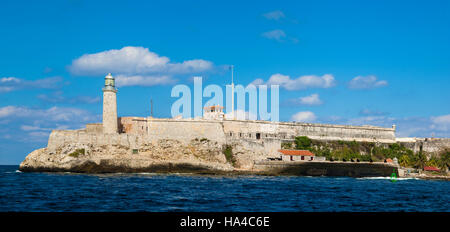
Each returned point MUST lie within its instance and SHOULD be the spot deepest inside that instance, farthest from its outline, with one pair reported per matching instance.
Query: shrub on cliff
(302, 143)
(77, 153)
(228, 152)
(286, 145)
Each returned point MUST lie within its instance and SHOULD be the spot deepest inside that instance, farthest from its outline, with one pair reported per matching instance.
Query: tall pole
(232, 92)
(151, 108)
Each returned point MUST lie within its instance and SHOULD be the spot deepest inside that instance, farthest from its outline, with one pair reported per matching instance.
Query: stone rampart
(288, 131)
(428, 145)
(185, 130)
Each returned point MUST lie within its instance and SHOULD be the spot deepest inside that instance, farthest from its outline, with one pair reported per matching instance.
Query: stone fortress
(214, 126)
(138, 143)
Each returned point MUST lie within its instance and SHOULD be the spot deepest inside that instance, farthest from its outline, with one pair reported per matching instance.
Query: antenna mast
(232, 92)
(151, 108)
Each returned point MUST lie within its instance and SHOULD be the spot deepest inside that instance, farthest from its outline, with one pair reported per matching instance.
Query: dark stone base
(106, 167)
(328, 169)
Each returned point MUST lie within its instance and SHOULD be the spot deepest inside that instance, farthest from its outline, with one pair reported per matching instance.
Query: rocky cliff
(79, 151)
(95, 155)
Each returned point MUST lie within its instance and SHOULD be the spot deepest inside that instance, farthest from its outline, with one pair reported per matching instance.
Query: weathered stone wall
(94, 128)
(288, 131)
(133, 125)
(185, 130)
(82, 138)
(428, 145)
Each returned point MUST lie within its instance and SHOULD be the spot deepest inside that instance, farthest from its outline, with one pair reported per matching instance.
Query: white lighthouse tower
(109, 106)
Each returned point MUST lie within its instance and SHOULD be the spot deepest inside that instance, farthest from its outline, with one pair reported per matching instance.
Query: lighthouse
(109, 106)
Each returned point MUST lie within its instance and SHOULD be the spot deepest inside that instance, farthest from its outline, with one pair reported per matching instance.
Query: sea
(62, 192)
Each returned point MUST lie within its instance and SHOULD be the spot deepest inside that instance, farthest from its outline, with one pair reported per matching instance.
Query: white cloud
(305, 116)
(32, 128)
(368, 82)
(8, 84)
(57, 97)
(27, 124)
(367, 112)
(274, 15)
(277, 35)
(138, 80)
(313, 99)
(9, 110)
(438, 126)
(257, 82)
(441, 123)
(54, 114)
(303, 82)
(134, 61)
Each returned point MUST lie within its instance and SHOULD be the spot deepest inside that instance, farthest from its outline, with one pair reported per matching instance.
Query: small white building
(299, 155)
(213, 112)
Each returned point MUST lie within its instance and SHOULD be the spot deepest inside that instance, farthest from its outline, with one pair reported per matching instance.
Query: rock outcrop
(198, 156)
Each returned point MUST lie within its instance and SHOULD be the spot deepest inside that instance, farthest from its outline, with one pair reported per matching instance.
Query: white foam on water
(147, 173)
(18, 171)
(387, 178)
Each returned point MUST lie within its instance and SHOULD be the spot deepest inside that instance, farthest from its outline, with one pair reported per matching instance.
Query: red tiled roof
(430, 168)
(296, 152)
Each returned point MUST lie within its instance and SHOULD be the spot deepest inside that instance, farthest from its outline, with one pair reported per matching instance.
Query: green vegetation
(441, 161)
(365, 151)
(286, 145)
(302, 143)
(77, 153)
(228, 152)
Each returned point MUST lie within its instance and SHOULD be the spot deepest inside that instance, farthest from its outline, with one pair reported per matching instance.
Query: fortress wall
(133, 125)
(94, 128)
(185, 130)
(434, 145)
(60, 138)
(346, 133)
(248, 129)
(349, 133)
(429, 145)
(255, 135)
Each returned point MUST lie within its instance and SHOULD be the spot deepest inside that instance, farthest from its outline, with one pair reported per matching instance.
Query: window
(258, 135)
(303, 158)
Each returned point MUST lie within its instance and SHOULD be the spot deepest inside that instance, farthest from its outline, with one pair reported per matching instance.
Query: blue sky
(345, 62)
